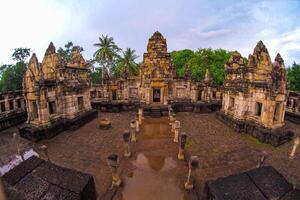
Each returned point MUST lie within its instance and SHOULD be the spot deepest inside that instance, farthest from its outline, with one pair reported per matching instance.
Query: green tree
(294, 77)
(107, 53)
(180, 59)
(199, 60)
(66, 52)
(20, 54)
(127, 61)
(94, 72)
(219, 58)
(12, 75)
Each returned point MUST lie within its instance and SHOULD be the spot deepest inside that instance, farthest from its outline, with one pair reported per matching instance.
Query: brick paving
(221, 150)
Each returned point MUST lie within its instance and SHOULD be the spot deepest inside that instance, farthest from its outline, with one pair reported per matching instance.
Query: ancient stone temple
(57, 94)
(157, 84)
(255, 96)
(157, 71)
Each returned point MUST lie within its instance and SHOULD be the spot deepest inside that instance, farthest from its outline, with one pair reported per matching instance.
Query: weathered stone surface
(261, 183)
(255, 95)
(236, 187)
(39, 179)
(56, 91)
(292, 195)
(35, 134)
(272, 184)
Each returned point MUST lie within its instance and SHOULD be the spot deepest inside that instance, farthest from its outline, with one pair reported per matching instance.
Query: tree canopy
(12, 74)
(180, 59)
(66, 52)
(127, 63)
(294, 77)
(199, 60)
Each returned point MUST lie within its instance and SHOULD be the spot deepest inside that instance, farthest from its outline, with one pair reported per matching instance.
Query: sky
(186, 24)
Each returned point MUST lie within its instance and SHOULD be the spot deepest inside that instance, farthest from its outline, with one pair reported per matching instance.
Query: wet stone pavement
(154, 162)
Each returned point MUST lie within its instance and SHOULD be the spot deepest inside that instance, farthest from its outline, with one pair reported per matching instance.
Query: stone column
(176, 132)
(170, 110)
(173, 123)
(137, 123)
(6, 98)
(296, 144)
(193, 164)
(126, 139)
(182, 142)
(171, 118)
(45, 150)
(17, 143)
(133, 131)
(262, 159)
(140, 113)
(113, 163)
(15, 102)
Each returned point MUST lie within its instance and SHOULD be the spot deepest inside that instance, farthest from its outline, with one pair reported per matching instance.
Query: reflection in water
(152, 179)
(156, 128)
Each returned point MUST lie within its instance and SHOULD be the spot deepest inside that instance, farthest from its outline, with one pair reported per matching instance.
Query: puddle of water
(153, 178)
(16, 161)
(155, 128)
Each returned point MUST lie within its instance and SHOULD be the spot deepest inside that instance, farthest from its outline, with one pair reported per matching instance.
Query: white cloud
(190, 24)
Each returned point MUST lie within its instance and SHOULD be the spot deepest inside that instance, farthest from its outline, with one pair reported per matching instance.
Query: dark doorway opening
(156, 94)
(114, 94)
(80, 103)
(35, 114)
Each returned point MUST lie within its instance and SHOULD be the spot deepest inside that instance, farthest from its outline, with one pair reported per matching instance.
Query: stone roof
(235, 61)
(50, 50)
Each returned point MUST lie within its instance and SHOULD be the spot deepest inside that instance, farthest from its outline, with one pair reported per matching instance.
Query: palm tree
(107, 53)
(127, 64)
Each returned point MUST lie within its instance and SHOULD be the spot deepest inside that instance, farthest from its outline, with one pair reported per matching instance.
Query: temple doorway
(114, 95)
(156, 94)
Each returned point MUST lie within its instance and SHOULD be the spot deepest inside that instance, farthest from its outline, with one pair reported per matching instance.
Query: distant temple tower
(156, 71)
(255, 96)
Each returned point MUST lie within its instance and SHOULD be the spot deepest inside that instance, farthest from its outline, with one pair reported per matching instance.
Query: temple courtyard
(153, 167)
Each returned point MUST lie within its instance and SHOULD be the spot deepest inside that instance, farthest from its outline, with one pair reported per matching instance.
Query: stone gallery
(155, 133)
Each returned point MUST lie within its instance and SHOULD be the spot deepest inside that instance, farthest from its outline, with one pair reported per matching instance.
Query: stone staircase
(155, 112)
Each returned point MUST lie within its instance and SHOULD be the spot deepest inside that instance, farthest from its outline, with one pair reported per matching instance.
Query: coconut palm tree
(107, 53)
(126, 64)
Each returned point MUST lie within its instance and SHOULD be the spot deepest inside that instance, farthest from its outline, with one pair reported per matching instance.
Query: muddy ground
(221, 151)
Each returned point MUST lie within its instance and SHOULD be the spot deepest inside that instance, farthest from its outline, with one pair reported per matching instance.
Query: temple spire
(50, 50)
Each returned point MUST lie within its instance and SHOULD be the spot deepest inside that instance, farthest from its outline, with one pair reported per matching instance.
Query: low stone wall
(12, 119)
(274, 137)
(39, 179)
(115, 107)
(201, 107)
(35, 134)
(292, 116)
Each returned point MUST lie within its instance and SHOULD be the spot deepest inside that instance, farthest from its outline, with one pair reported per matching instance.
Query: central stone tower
(156, 71)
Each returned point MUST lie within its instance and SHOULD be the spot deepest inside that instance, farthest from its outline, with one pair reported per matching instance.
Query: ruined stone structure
(57, 94)
(292, 112)
(157, 84)
(12, 109)
(255, 96)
